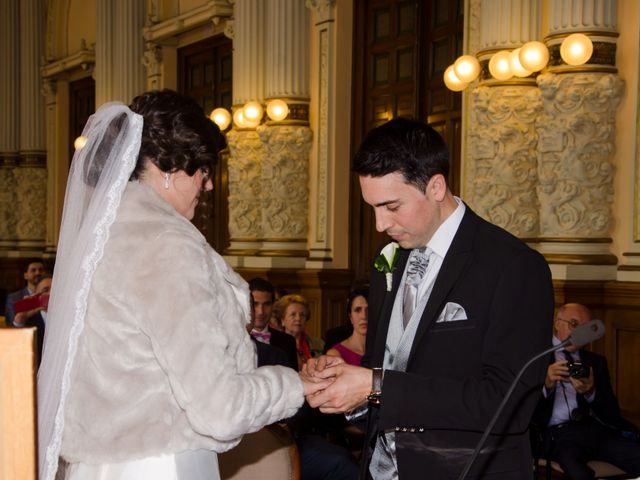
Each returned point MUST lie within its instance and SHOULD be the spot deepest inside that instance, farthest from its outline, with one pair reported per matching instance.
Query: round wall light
(277, 110)
(79, 142)
(534, 56)
(221, 117)
(467, 68)
(499, 66)
(452, 81)
(576, 49)
(515, 65)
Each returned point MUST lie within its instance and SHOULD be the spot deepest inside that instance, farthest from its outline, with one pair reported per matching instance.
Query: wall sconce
(515, 66)
(277, 110)
(252, 113)
(534, 56)
(467, 68)
(452, 81)
(79, 142)
(500, 67)
(221, 117)
(576, 49)
(238, 118)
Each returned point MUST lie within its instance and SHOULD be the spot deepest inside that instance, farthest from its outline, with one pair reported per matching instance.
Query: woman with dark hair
(292, 312)
(148, 369)
(351, 350)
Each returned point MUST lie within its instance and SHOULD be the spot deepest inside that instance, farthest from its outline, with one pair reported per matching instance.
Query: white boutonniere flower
(386, 261)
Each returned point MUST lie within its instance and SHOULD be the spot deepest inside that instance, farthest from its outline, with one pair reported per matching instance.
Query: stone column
(246, 152)
(502, 170)
(285, 171)
(9, 113)
(128, 72)
(576, 145)
(9, 83)
(103, 72)
(27, 217)
(323, 162)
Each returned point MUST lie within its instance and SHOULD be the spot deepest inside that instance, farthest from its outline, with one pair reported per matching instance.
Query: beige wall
(82, 24)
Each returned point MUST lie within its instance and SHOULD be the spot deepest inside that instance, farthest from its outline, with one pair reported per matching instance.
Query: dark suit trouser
(577, 443)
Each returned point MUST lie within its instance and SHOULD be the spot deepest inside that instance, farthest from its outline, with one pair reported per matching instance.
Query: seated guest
(262, 300)
(351, 350)
(36, 317)
(32, 270)
(579, 408)
(292, 312)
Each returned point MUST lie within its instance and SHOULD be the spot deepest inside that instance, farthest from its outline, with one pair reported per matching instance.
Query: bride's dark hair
(176, 134)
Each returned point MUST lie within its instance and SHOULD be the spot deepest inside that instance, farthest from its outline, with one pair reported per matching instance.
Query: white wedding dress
(189, 465)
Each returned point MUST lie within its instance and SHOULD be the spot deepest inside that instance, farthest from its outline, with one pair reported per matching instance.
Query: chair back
(18, 445)
(269, 453)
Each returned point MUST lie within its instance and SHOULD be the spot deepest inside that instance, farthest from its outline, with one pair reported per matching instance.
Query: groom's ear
(437, 187)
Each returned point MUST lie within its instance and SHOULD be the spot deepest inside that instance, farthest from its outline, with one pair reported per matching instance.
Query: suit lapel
(451, 270)
(387, 307)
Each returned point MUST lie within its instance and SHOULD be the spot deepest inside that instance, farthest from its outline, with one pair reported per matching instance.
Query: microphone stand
(493, 421)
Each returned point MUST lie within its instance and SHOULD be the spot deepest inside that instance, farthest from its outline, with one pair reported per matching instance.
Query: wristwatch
(375, 396)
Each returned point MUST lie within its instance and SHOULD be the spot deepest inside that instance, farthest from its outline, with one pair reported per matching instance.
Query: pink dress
(349, 356)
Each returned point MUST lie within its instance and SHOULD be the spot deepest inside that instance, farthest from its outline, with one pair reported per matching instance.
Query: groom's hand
(350, 388)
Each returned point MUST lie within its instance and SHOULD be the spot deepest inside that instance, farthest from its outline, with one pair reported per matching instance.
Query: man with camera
(578, 411)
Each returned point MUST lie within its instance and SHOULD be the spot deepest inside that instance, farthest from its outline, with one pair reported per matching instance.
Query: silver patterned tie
(418, 264)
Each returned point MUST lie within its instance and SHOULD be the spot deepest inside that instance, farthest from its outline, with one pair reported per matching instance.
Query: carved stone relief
(23, 208)
(576, 145)
(502, 153)
(246, 156)
(285, 179)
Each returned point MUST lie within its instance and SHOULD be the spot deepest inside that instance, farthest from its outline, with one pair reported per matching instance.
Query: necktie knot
(418, 264)
(416, 269)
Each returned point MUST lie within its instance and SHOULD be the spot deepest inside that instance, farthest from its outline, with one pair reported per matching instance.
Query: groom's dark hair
(406, 146)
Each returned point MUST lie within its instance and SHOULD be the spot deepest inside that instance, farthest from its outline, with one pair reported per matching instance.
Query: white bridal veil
(97, 178)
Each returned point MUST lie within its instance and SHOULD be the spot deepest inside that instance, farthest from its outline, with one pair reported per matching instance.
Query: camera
(577, 369)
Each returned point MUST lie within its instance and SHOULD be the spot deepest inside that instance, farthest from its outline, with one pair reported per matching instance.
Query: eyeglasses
(573, 323)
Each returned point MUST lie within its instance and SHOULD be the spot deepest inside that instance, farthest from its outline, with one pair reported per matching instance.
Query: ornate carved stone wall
(284, 179)
(245, 160)
(503, 173)
(23, 206)
(576, 145)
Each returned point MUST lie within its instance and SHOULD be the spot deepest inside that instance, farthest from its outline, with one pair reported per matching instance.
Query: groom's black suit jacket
(459, 371)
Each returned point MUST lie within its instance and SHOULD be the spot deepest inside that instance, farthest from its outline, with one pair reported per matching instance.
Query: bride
(148, 369)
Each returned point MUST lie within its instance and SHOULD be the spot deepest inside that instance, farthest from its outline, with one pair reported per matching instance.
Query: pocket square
(452, 312)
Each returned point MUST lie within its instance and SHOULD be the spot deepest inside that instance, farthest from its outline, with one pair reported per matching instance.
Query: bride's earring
(166, 181)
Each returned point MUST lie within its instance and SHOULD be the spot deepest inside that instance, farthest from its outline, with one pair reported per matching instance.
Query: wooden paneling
(205, 74)
(402, 49)
(617, 304)
(18, 448)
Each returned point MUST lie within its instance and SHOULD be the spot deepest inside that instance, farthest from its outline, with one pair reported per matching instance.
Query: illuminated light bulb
(534, 56)
(238, 118)
(252, 112)
(515, 66)
(452, 81)
(499, 66)
(79, 142)
(467, 68)
(221, 117)
(277, 110)
(576, 49)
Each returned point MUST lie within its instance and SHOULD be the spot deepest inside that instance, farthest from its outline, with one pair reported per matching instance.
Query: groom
(451, 322)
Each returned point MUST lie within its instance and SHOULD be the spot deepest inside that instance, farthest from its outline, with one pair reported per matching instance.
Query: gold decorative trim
(604, 53)
(575, 240)
(283, 253)
(241, 252)
(84, 59)
(629, 268)
(578, 259)
(591, 33)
